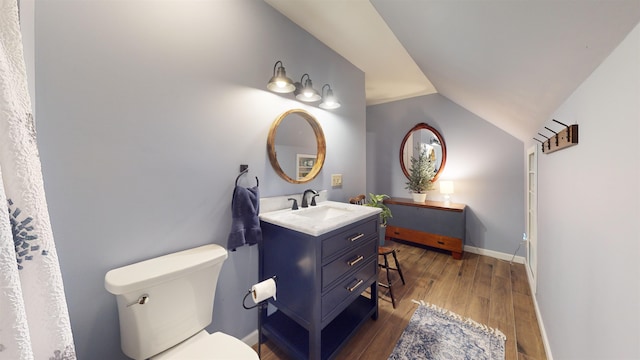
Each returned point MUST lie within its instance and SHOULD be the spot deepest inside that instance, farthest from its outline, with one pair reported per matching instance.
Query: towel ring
(244, 172)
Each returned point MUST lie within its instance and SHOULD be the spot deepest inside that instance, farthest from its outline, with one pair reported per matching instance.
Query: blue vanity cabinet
(431, 223)
(321, 282)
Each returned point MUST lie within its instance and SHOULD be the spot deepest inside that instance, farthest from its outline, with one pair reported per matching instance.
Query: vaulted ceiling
(511, 62)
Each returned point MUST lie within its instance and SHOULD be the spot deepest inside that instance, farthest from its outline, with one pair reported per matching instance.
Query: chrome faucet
(313, 198)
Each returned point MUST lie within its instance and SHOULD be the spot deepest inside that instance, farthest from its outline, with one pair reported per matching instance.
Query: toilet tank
(165, 300)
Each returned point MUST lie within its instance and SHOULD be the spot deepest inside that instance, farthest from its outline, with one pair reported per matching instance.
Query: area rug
(434, 333)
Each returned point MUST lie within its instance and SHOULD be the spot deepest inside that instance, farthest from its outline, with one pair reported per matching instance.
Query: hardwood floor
(487, 290)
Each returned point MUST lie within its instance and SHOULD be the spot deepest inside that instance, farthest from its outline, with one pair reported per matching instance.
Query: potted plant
(421, 173)
(378, 201)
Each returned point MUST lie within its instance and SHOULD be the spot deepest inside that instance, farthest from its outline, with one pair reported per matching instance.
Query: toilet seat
(203, 345)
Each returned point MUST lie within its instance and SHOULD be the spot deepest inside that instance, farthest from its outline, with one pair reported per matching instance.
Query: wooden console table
(431, 223)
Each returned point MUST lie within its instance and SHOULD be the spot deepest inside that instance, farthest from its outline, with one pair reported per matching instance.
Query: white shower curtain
(34, 319)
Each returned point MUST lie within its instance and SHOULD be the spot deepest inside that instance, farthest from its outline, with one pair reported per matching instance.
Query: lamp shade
(279, 82)
(446, 187)
(329, 101)
(306, 92)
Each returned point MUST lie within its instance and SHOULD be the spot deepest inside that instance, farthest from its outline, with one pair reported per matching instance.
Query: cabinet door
(289, 256)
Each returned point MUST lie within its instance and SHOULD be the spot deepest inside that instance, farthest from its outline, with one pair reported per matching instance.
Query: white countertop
(317, 220)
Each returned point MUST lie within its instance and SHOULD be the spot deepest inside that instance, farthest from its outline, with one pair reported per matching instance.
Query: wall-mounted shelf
(304, 164)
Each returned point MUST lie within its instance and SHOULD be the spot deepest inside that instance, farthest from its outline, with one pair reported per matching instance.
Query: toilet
(165, 303)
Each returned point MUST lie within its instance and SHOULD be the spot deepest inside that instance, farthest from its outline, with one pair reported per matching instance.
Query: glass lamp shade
(307, 93)
(280, 83)
(329, 101)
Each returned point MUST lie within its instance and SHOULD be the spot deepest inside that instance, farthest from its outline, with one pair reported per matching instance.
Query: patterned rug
(435, 333)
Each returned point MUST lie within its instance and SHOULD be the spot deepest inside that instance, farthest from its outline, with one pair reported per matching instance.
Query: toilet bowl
(209, 346)
(165, 303)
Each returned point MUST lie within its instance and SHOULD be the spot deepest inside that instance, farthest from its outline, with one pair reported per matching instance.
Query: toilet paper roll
(263, 290)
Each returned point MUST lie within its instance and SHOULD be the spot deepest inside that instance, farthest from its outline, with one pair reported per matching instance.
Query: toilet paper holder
(249, 293)
(261, 305)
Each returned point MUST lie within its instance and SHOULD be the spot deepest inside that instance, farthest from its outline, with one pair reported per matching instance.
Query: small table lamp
(446, 188)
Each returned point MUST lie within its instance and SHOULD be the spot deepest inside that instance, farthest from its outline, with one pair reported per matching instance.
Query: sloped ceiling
(512, 63)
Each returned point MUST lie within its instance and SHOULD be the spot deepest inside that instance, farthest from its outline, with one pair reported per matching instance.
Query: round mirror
(423, 136)
(296, 146)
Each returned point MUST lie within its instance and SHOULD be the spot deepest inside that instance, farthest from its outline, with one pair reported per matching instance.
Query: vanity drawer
(348, 261)
(351, 285)
(351, 237)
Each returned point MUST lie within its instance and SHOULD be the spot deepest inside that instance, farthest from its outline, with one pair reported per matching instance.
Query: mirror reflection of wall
(423, 136)
(295, 136)
(287, 158)
(430, 143)
(294, 133)
(425, 140)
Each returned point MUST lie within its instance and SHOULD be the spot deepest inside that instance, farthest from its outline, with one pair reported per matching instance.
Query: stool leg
(386, 265)
(398, 266)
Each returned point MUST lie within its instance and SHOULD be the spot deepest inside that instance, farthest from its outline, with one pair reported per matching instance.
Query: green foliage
(378, 201)
(421, 173)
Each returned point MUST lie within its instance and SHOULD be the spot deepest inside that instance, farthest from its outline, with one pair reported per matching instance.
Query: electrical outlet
(336, 180)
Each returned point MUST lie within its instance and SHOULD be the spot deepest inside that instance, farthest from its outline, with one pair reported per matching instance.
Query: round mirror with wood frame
(423, 136)
(307, 166)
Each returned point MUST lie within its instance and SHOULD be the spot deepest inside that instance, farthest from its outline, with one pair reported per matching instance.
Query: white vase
(419, 197)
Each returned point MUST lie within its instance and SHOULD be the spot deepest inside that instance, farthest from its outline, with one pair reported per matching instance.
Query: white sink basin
(320, 219)
(322, 213)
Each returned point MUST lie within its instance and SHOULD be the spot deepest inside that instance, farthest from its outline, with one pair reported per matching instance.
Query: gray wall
(588, 210)
(145, 111)
(484, 162)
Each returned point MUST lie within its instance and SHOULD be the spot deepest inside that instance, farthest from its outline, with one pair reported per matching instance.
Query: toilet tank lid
(161, 269)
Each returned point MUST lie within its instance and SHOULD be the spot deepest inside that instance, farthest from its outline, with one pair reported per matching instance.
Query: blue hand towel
(245, 226)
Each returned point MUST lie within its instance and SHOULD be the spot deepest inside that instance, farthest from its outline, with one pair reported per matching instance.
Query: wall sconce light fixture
(446, 188)
(329, 101)
(303, 90)
(306, 92)
(279, 82)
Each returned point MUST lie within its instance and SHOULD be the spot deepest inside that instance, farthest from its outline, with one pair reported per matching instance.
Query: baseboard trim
(251, 339)
(494, 254)
(543, 332)
(518, 260)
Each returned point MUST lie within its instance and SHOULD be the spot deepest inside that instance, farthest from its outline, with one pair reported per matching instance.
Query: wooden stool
(386, 251)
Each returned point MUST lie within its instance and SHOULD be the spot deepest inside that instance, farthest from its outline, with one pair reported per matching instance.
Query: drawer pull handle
(355, 286)
(396, 232)
(354, 238)
(355, 261)
(441, 242)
